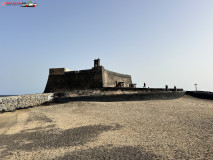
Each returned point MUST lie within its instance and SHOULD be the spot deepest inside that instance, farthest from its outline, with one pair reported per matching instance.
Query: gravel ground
(155, 129)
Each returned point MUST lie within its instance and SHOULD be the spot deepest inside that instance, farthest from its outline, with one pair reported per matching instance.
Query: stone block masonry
(61, 80)
(12, 103)
(110, 78)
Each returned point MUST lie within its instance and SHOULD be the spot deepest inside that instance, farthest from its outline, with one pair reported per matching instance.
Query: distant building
(62, 79)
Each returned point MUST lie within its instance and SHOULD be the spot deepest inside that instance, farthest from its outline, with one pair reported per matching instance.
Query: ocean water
(6, 95)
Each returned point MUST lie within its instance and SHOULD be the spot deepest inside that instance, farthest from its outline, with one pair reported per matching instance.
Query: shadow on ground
(50, 137)
(107, 153)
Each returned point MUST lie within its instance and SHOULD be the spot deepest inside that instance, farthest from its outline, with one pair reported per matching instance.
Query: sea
(6, 95)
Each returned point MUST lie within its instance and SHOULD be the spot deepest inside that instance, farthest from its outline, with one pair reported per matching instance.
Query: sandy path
(171, 129)
(7, 121)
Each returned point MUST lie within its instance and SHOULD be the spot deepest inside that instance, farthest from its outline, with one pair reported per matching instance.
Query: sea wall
(164, 95)
(12, 103)
(201, 94)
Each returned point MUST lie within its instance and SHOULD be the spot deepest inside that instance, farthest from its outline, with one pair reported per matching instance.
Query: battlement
(58, 71)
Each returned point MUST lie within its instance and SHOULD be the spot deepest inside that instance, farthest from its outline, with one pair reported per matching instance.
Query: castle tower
(97, 62)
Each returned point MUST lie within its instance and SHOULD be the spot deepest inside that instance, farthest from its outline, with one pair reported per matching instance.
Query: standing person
(175, 89)
(144, 85)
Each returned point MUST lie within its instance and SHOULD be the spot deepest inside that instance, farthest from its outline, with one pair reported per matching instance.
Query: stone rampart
(12, 103)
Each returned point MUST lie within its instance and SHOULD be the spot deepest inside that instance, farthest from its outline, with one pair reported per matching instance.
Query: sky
(159, 42)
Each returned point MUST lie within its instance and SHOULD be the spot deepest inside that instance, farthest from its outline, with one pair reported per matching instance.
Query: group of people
(166, 86)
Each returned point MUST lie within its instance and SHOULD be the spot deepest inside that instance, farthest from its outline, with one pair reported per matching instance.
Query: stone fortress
(99, 84)
(63, 79)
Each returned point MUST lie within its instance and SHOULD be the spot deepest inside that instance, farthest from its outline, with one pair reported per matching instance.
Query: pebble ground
(149, 130)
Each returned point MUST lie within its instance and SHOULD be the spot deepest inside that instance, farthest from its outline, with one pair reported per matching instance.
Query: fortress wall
(84, 79)
(110, 78)
(23, 101)
(55, 83)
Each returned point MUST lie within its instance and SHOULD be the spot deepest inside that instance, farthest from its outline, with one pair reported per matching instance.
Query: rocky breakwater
(23, 101)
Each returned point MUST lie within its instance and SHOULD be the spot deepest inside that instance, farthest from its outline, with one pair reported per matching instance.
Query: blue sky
(156, 41)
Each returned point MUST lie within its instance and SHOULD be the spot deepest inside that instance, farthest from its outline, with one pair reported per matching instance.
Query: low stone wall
(12, 103)
(139, 89)
(201, 94)
(166, 95)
